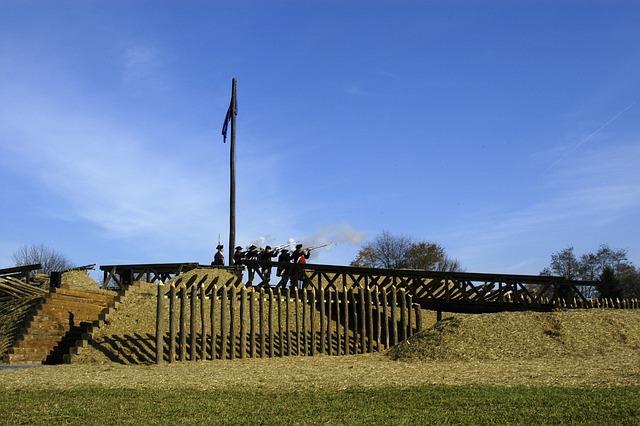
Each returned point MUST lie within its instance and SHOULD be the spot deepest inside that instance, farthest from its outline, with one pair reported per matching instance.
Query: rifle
(318, 246)
(276, 248)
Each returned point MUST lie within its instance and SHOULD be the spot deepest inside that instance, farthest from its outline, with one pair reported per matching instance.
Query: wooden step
(30, 353)
(57, 298)
(70, 305)
(20, 359)
(84, 294)
(78, 315)
(73, 304)
(55, 327)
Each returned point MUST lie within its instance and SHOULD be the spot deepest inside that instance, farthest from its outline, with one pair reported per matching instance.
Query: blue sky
(504, 131)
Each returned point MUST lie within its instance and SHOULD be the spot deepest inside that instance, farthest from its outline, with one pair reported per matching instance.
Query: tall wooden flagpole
(232, 178)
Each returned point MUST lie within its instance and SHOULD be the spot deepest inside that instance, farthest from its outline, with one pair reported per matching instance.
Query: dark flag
(233, 109)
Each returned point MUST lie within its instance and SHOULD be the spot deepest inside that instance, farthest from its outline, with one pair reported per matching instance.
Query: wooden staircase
(63, 318)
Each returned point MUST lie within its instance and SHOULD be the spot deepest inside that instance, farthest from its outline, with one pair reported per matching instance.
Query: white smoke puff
(340, 233)
(261, 241)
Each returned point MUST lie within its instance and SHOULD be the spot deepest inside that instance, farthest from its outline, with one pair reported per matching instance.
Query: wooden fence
(208, 321)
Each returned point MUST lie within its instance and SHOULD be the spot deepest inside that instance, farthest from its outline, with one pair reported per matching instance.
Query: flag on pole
(233, 110)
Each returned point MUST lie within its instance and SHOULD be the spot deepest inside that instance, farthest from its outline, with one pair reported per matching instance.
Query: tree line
(614, 275)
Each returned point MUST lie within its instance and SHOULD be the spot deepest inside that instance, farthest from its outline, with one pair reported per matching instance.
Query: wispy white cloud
(105, 174)
(582, 203)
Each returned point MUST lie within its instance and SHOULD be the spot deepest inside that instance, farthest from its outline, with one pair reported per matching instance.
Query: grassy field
(473, 405)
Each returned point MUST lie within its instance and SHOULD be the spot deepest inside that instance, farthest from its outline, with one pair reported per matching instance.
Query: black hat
(252, 247)
(238, 248)
(267, 248)
(299, 246)
(220, 246)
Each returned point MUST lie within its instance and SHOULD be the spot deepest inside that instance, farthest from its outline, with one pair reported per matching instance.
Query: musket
(318, 246)
(282, 246)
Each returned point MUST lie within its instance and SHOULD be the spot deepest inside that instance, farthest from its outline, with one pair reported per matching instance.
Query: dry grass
(526, 335)
(333, 373)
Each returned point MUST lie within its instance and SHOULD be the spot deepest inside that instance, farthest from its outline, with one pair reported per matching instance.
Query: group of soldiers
(267, 255)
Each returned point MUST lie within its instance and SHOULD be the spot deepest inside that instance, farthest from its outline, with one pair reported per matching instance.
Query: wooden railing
(122, 275)
(21, 272)
(441, 291)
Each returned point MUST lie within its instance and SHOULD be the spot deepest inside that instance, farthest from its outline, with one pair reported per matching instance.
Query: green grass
(472, 405)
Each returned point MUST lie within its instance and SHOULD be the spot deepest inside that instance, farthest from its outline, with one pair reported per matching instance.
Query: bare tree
(610, 267)
(565, 264)
(50, 259)
(392, 252)
(386, 251)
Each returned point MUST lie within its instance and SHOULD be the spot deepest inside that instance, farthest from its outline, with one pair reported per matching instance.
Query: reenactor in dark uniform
(218, 258)
(251, 254)
(299, 256)
(265, 256)
(238, 255)
(285, 257)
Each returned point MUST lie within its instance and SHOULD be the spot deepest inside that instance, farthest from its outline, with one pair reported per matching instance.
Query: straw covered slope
(128, 337)
(526, 335)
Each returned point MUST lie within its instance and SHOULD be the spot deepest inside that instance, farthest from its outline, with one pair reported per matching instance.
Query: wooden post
(378, 337)
(252, 323)
(223, 321)
(271, 337)
(172, 323)
(345, 308)
(203, 326)
(243, 331)
(312, 318)
(288, 320)
(409, 315)
(280, 329)
(323, 323)
(329, 317)
(261, 323)
(232, 171)
(385, 315)
(183, 323)
(212, 318)
(298, 339)
(336, 293)
(232, 322)
(192, 319)
(159, 325)
(363, 320)
(403, 315)
(305, 346)
(394, 320)
(369, 308)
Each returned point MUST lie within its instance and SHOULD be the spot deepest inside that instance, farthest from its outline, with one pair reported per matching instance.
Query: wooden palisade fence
(211, 320)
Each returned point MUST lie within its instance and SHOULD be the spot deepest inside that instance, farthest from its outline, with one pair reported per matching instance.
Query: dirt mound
(206, 274)
(79, 280)
(525, 335)
(128, 337)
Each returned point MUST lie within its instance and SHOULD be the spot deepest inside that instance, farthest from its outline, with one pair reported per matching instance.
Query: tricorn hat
(238, 248)
(220, 246)
(298, 246)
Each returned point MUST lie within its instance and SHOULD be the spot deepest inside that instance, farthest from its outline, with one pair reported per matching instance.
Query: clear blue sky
(502, 130)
